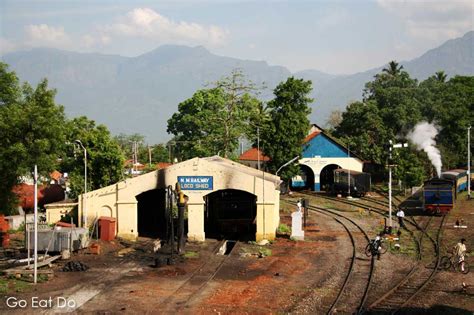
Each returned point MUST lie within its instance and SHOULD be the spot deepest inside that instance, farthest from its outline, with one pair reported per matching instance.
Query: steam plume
(423, 136)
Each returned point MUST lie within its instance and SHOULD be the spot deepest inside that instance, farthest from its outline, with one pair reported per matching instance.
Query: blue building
(322, 154)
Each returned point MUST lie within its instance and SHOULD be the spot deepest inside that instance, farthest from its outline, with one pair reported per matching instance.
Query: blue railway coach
(459, 178)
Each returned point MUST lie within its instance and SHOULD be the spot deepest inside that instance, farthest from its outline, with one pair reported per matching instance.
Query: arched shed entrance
(151, 213)
(230, 214)
(305, 180)
(326, 177)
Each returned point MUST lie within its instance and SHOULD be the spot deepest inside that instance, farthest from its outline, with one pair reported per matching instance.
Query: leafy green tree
(396, 96)
(393, 69)
(32, 129)
(455, 112)
(159, 153)
(394, 103)
(213, 119)
(440, 76)
(288, 125)
(364, 130)
(104, 157)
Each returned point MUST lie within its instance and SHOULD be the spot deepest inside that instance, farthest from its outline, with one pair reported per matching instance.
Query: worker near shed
(400, 216)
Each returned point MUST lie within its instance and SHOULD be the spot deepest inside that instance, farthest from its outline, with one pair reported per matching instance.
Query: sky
(337, 37)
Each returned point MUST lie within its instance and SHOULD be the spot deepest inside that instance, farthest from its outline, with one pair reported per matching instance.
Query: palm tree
(440, 76)
(393, 69)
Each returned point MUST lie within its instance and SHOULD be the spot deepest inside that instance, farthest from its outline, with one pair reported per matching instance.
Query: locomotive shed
(224, 200)
(321, 155)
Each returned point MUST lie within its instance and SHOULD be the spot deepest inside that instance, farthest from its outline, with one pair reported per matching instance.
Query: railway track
(420, 276)
(414, 282)
(381, 211)
(360, 269)
(183, 295)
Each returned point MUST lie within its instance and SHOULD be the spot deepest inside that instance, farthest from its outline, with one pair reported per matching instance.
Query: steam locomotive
(439, 194)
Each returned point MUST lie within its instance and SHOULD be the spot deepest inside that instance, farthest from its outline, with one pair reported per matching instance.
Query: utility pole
(469, 162)
(84, 210)
(149, 155)
(390, 165)
(35, 251)
(348, 175)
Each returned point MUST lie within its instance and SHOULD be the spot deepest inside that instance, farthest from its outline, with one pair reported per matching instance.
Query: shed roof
(231, 165)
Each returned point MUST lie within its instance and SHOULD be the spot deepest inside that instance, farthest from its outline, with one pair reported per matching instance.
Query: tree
(334, 120)
(363, 128)
(104, 157)
(440, 76)
(393, 69)
(288, 125)
(32, 128)
(393, 103)
(454, 114)
(213, 119)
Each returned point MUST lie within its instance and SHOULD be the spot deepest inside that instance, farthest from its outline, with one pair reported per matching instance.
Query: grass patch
(12, 284)
(191, 254)
(283, 229)
(264, 252)
(256, 250)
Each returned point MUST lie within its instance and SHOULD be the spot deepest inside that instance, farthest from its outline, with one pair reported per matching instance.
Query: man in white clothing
(401, 215)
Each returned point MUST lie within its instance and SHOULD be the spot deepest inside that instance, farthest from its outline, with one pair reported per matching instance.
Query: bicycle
(371, 250)
(451, 261)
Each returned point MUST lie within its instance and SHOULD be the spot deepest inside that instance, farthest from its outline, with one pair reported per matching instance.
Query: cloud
(434, 20)
(149, 24)
(45, 35)
(6, 46)
(90, 41)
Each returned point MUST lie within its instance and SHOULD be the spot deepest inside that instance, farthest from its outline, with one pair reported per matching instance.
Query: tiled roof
(253, 154)
(311, 136)
(56, 175)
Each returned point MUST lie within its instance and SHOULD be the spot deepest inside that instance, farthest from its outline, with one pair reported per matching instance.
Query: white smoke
(423, 136)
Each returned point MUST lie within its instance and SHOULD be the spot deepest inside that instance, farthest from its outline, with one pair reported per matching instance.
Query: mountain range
(139, 94)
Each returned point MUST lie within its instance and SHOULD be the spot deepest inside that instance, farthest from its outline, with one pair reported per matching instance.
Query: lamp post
(84, 210)
(287, 163)
(469, 162)
(258, 148)
(394, 146)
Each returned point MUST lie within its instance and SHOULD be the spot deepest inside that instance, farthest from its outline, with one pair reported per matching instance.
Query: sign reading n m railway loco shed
(195, 182)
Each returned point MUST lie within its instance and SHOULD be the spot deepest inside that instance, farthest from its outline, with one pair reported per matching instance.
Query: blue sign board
(195, 182)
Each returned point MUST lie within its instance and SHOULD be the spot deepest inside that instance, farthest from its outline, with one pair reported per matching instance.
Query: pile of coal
(75, 266)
